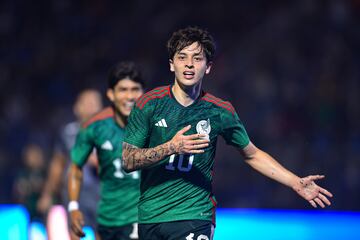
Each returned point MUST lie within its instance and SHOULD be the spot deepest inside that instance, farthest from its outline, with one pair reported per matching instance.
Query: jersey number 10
(182, 158)
(119, 173)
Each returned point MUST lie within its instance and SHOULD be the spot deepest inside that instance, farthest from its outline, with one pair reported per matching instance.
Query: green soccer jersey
(180, 186)
(119, 192)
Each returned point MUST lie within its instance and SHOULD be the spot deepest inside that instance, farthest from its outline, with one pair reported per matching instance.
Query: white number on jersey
(170, 166)
(134, 233)
(200, 237)
(119, 172)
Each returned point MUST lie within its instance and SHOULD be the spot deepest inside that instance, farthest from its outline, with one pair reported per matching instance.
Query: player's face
(124, 95)
(190, 65)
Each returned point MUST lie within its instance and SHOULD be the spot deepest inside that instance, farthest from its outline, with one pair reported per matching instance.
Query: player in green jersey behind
(171, 136)
(117, 213)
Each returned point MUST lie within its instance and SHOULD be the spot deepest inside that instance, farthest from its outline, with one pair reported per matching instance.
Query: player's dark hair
(125, 69)
(187, 36)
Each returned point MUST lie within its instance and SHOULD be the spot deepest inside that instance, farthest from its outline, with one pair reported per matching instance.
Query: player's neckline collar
(202, 93)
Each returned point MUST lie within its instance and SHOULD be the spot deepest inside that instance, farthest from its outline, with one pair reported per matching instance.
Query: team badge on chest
(203, 127)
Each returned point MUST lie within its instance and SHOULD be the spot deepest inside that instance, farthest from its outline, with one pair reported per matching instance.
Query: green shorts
(177, 230)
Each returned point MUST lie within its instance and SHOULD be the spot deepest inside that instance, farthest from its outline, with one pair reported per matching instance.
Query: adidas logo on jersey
(161, 123)
(107, 145)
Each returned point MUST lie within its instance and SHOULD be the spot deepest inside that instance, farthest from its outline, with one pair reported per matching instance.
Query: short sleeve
(233, 131)
(138, 127)
(82, 148)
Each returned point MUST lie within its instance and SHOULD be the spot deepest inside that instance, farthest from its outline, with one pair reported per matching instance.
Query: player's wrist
(171, 147)
(294, 183)
(73, 206)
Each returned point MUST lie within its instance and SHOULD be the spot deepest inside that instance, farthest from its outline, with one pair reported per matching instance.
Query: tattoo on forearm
(134, 158)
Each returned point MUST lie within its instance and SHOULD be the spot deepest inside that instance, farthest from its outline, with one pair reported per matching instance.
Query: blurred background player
(30, 180)
(117, 210)
(172, 136)
(88, 102)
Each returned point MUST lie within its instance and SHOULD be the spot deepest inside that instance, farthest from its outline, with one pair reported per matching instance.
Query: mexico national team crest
(203, 127)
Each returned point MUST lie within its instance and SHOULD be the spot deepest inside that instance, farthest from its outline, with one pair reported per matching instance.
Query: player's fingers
(319, 202)
(198, 146)
(196, 151)
(326, 192)
(185, 129)
(315, 177)
(199, 141)
(77, 229)
(324, 199)
(193, 143)
(196, 136)
(313, 203)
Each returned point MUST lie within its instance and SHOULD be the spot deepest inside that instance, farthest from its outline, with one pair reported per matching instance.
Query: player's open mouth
(129, 105)
(188, 74)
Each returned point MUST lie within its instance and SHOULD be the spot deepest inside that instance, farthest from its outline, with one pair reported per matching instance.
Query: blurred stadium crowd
(290, 68)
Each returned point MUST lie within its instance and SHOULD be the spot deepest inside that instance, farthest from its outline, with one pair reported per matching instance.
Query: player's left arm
(268, 166)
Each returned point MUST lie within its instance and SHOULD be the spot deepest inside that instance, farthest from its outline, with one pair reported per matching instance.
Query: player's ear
(110, 94)
(171, 62)
(208, 67)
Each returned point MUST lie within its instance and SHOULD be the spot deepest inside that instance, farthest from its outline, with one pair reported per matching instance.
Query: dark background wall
(290, 68)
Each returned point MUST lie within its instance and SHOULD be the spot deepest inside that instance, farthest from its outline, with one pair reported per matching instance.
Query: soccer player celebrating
(117, 210)
(171, 135)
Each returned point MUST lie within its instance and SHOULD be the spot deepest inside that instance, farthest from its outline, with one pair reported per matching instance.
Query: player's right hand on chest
(189, 144)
